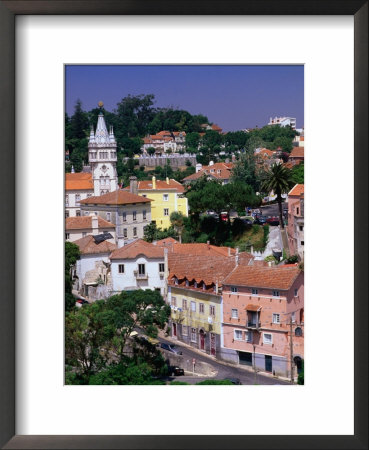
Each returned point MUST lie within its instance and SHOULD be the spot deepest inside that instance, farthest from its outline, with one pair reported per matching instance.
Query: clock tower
(102, 157)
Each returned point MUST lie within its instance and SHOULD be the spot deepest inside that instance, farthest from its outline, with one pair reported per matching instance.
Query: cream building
(79, 227)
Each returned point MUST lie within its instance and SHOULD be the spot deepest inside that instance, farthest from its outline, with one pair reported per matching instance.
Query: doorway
(212, 344)
(174, 330)
(202, 340)
(268, 363)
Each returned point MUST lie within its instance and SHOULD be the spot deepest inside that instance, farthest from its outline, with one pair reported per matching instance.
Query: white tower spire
(102, 156)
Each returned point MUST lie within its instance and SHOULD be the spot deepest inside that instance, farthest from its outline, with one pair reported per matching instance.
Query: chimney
(133, 185)
(94, 224)
(208, 244)
(229, 251)
(237, 256)
(153, 182)
(270, 263)
(167, 180)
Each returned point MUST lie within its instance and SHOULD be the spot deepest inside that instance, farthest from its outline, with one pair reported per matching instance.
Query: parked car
(82, 301)
(175, 370)
(260, 220)
(224, 216)
(247, 222)
(171, 348)
(257, 211)
(274, 221)
(234, 380)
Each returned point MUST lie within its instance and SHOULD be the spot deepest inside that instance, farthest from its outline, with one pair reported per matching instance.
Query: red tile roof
(146, 185)
(119, 197)
(297, 190)
(196, 249)
(224, 168)
(209, 269)
(297, 152)
(136, 248)
(78, 181)
(263, 277)
(85, 222)
(88, 246)
(166, 241)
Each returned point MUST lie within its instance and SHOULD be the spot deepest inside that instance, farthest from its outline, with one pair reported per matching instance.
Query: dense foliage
(71, 254)
(99, 347)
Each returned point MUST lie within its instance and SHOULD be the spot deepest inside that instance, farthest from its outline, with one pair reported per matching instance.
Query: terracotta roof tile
(136, 248)
(297, 152)
(119, 197)
(83, 222)
(78, 181)
(87, 246)
(263, 277)
(297, 190)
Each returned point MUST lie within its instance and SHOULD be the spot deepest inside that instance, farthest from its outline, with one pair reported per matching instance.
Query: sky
(234, 97)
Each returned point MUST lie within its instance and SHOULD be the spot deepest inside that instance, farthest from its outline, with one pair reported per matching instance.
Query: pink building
(295, 228)
(261, 306)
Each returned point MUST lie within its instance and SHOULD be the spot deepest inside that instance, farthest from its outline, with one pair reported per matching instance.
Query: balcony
(253, 325)
(140, 276)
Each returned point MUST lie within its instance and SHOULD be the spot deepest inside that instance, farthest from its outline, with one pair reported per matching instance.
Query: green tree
(150, 151)
(177, 221)
(278, 180)
(71, 255)
(297, 174)
(192, 140)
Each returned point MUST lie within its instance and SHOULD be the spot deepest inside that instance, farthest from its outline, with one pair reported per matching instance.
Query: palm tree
(177, 220)
(278, 180)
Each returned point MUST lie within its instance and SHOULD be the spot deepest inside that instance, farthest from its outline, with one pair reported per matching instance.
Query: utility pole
(291, 351)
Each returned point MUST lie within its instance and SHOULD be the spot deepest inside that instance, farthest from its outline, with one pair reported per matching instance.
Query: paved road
(224, 370)
(272, 210)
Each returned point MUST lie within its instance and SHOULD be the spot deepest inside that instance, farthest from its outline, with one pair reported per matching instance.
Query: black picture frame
(8, 11)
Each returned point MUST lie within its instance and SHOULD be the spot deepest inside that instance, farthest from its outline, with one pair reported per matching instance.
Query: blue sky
(234, 97)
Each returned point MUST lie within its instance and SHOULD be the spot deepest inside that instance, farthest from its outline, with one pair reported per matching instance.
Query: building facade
(139, 265)
(130, 213)
(283, 122)
(78, 186)
(263, 318)
(295, 228)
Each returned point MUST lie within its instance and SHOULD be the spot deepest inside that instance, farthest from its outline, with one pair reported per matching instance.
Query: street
(223, 369)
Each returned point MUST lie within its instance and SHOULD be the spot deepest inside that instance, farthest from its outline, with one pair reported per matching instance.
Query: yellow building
(194, 293)
(167, 196)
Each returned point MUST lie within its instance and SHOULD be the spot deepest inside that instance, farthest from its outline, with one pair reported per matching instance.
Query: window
(161, 267)
(184, 330)
(298, 331)
(78, 198)
(165, 197)
(302, 242)
(124, 217)
(254, 292)
(66, 235)
(144, 195)
(275, 293)
(267, 338)
(134, 231)
(166, 212)
(203, 286)
(276, 318)
(84, 234)
(108, 216)
(234, 289)
(187, 283)
(120, 268)
(248, 336)
(212, 310)
(295, 293)
(89, 195)
(234, 313)
(125, 232)
(297, 210)
(293, 317)
(66, 214)
(193, 306)
(195, 284)
(301, 228)
(238, 335)
(193, 335)
(141, 269)
(134, 215)
(201, 308)
(66, 200)
(144, 214)
(184, 303)
(173, 301)
(78, 213)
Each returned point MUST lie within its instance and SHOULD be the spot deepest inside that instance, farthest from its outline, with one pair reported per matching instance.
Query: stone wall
(175, 161)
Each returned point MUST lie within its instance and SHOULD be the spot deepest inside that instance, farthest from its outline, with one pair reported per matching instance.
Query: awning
(253, 308)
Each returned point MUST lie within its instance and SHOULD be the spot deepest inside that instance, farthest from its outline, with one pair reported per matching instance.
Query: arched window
(298, 331)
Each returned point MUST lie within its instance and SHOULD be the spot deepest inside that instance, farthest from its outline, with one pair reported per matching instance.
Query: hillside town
(213, 229)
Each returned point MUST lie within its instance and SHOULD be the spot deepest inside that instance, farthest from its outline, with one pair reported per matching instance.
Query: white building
(79, 227)
(283, 122)
(139, 265)
(78, 186)
(93, 267)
